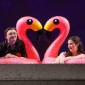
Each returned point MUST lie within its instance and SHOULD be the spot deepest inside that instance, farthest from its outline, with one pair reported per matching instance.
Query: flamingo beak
(36, 26)
(49, 26)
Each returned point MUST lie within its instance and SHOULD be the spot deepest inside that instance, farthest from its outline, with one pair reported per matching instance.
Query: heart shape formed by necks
(63, 25)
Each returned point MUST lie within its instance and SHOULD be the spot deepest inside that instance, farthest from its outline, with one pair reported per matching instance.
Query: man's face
(11, 36)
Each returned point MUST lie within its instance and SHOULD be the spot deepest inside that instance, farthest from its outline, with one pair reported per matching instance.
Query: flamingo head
(25, 23)
(57, 22)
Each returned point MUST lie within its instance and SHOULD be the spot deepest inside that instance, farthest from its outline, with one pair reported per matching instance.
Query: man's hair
(9, 28)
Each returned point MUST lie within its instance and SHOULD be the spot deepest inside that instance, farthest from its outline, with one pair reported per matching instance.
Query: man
(12, 47)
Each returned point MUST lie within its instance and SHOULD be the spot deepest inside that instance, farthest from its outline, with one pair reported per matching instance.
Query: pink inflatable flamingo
(19, 60)
(76, 60)
(22, 26)
(64, 27)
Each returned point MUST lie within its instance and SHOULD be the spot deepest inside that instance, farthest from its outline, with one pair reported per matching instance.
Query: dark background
(73, 10)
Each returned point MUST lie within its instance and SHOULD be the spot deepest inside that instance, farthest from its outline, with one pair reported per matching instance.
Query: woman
(75, 50)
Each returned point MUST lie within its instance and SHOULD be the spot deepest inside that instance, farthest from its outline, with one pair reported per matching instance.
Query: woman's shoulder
(82, 54)
(64, 53)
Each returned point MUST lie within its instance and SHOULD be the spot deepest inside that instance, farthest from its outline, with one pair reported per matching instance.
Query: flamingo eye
(56, 21)
(29, 21)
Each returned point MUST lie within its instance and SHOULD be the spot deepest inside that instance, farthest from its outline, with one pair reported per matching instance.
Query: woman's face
(73, 47)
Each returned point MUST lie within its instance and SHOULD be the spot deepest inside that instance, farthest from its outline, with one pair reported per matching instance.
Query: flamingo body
(80, 59)
(18, 61)
(64, 27)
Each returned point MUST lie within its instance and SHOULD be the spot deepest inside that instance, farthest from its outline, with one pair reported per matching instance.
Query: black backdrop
(73, 10)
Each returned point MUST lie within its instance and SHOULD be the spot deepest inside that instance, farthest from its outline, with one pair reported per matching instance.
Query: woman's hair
(77, 41)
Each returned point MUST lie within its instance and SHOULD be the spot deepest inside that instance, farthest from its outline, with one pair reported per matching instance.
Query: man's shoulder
(3, 43)
(20, 42)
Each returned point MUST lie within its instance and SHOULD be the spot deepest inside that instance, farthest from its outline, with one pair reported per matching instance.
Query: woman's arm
(78, 56)
(71, 57)
(61, 56)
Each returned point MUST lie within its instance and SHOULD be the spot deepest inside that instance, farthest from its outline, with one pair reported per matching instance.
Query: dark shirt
(18, 49)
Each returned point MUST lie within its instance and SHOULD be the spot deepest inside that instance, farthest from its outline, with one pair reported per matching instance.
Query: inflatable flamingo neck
(53, 49)
(56, 44)
(30, 50)
(22, 27)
